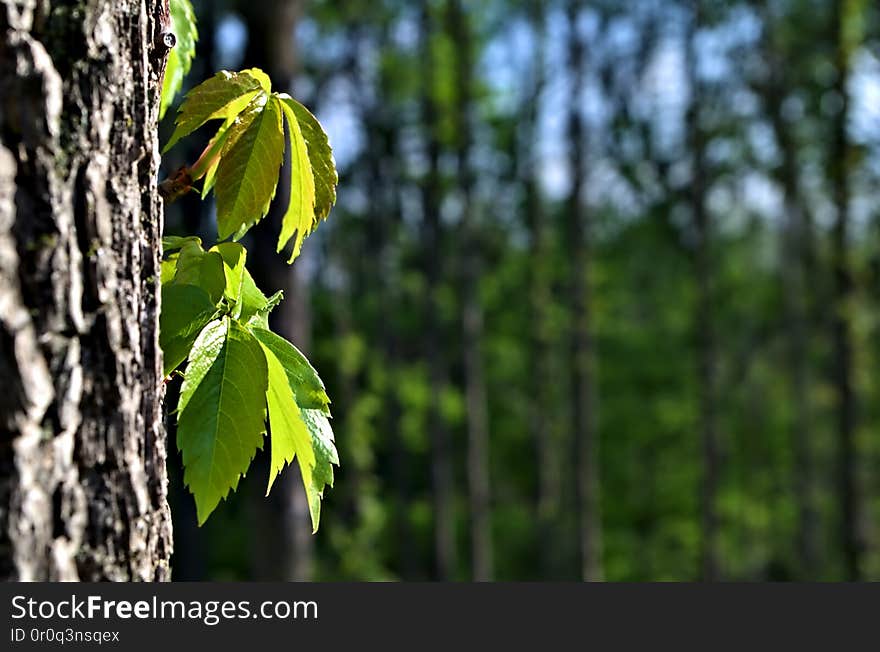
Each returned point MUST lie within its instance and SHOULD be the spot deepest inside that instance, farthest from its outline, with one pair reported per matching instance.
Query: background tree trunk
(472, 310)
(442, 473)
(583, 395)
(703, 319)
(82, 446)
(797, 277)
(383, 171)
(541, 419)
(852, 543)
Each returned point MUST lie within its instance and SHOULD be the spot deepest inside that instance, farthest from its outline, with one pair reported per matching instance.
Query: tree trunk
(703, 324)
(583, 400)
(797, 280)
(472, 309)
(383, 169)
(850, 535)
(540, 299)
(82, 447)
(438, 433)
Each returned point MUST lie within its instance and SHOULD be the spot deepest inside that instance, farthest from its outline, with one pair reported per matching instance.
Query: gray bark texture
(82, 445)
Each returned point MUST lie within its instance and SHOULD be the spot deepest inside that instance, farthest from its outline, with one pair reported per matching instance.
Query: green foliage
(190, 310)
(203, 269)
(302, 376)
(224, 96)
(290, 437)
(300, 215)
(221, 412)
(240, 376)
(305, 128)
(243, 158)
(238, 373)
(325, 457)
(248, 171)
(183, 24)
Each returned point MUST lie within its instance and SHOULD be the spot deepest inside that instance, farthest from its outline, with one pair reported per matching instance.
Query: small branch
(177, 185)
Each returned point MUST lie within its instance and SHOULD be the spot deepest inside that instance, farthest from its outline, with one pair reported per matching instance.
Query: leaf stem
(210, 155)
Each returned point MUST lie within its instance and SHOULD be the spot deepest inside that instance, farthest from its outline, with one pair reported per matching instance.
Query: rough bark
(82, 445)
(583, 398)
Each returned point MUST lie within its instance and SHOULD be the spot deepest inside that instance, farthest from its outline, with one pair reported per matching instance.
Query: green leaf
(325, 453)
(308, 389)
(261, 77)
(168, 269)
(215, 148)
(173, 242)
(288, 435)
(252, 299)
(255, 306)
(234, 256)
(260, 319)
(222, 411)
(195, 266)
(320, 156)
(248, 171)
(183, 24)
(186, 310)
(223, 96)
(299, 219)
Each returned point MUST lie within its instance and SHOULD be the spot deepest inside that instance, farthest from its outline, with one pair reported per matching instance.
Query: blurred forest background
(600, 298)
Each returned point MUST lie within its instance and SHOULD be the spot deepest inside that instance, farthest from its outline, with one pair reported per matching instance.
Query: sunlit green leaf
(224, 95)
(288, 435)
(326, 456)
(234, 257)
(222, 411)
(248, 171)
(261, 77)
(214, 150)
(260, 317)
(299, 218)
(304, 380)
(320, 156)
(252, 299)
(195, 266)
(168, 269)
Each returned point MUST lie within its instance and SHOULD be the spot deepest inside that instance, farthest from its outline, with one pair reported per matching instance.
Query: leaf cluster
(242, 160)
(241, 381)
(240, 378)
